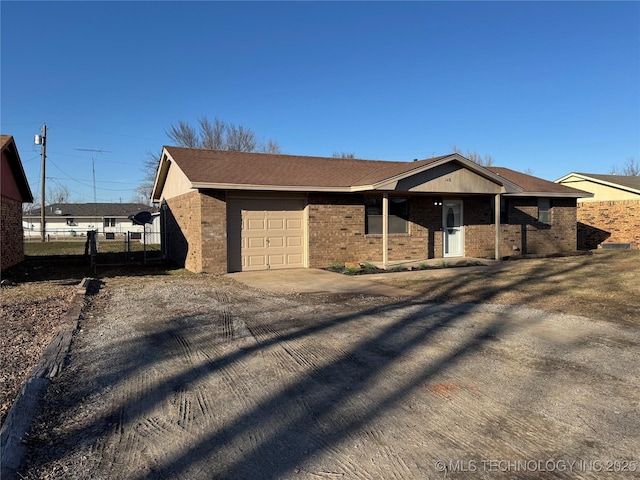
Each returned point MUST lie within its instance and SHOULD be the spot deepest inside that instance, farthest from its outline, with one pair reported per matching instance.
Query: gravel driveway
(201, 377)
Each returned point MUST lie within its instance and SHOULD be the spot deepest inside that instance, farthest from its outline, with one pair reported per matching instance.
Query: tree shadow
(289, 435)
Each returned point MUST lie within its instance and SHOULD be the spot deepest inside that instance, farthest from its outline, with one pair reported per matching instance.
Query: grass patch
(351, 270)
(336, 267)
(77, 248)
(603, 285)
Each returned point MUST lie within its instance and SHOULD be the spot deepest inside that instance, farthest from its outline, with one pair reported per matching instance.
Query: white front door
(453, 228)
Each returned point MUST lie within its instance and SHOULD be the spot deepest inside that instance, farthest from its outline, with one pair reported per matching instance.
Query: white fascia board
(161, 175)
(600, 182)
(549, 194)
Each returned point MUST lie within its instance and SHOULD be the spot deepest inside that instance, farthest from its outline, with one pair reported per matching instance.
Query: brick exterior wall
(524, 234)
(337, 231)
(214, 231)
(609, 222)
(195, 231)
(11, 237)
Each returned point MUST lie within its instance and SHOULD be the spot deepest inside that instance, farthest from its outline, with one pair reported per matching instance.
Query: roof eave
(161, 175)
(21, 177)
(275, 188)
(551, 194)
(599, 181)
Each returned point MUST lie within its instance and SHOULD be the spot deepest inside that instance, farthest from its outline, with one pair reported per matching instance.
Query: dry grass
(602, 286)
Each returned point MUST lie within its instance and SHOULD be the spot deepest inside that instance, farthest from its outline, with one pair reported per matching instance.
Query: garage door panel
(271, 233)
(277, 261)
(255, 242)
(275, 223)
(257, 224)
(294, 259)
(294, 241)
(256, 261)
(276, 242)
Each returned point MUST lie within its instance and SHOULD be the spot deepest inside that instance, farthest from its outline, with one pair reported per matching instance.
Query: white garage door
(271, 234)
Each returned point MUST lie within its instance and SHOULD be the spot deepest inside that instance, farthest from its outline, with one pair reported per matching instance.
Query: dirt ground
(26, 328)
(195, 376)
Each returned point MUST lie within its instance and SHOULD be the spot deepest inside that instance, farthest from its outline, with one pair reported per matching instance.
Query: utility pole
(42, 140)
(93, 169)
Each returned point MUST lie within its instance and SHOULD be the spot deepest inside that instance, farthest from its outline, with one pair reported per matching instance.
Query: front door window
(453, 228)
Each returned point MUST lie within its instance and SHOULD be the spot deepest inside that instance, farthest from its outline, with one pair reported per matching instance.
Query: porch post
(497, 225)
(385, 229)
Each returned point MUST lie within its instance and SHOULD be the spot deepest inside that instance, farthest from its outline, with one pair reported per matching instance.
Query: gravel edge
(20, 416)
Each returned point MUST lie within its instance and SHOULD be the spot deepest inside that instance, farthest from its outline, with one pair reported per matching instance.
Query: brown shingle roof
(630, 181)
(242, 168)
(531, 184)
(218, 167)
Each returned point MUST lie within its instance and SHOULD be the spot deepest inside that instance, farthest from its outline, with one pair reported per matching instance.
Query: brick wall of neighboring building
(195, 226)
(609, 222)
(11, 237)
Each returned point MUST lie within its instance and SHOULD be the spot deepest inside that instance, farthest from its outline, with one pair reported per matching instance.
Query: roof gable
(629, 183)
(14, 182)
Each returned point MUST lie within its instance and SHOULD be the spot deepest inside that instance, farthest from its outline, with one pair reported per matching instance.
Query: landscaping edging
(21, 414)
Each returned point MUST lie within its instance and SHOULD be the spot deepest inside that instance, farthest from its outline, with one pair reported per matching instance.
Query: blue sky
(548, 87)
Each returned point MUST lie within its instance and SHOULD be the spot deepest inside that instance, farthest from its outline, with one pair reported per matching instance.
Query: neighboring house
(14, 191)
(230, 211)
(611, 218)
(65, 220)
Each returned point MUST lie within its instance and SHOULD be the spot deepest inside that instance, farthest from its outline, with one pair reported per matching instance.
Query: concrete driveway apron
(310, 280)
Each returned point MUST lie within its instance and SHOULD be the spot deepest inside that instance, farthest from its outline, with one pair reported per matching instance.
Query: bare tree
(269, 147)
(219, 136)
(58, 194)
(184, 135)
(342, 154)
(149, 168)
(630, 168)
(240, 139)
(212, 137)
(474, 156)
